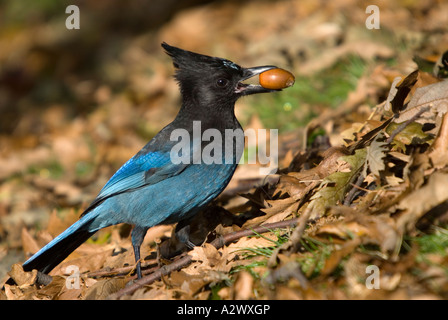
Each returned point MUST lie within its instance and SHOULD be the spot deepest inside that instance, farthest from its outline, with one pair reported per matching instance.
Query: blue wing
(149, 166)
(134, 173)
(143, 169)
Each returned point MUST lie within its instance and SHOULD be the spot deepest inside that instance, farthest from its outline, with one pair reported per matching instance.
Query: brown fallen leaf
(343, 230)
(380, 230)
(29, 244)
(403, 88)
(439, 149)
(336, 256)
(277, 211)
(58, 290)
(434, 96)
(207, 254)
(243, 287)
(292, 209)
(188, 285)
(421, 200)
(59, 221)
(103, 288)
(21, 277)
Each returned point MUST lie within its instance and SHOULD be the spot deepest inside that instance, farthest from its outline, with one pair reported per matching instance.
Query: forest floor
(357, 210)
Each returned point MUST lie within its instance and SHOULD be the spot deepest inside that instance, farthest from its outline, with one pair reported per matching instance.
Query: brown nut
(276, 79)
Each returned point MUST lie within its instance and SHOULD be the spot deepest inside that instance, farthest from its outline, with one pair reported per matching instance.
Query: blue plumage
(151, 188)
(132, 174)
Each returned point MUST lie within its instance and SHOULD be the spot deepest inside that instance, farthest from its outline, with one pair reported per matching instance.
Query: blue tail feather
(60, 247)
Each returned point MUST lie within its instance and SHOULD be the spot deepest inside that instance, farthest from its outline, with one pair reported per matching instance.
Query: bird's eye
(222, 83)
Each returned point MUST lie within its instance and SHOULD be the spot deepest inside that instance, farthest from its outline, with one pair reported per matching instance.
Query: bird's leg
(137, 235)
(137, 259)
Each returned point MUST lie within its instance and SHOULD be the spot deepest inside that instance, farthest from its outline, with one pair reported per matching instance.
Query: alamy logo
(72, 21)
(212, 147)
(72, 281)
(373, 280)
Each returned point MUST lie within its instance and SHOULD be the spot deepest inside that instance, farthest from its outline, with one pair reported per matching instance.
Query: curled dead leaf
(343, 230)
(434, 96)
(21, 277)
(421, 200)
(379, 230)
(207, 254)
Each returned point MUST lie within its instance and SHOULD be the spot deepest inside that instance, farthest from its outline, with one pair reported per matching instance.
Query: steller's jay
(156, 186)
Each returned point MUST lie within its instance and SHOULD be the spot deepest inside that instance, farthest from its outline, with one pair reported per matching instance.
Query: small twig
(185, 261)
(107, 272)
(165, 270)
(296, 236)
(351, 193)
(230, 237)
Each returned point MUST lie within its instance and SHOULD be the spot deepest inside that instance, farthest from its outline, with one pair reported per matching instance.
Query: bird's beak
(246, 89)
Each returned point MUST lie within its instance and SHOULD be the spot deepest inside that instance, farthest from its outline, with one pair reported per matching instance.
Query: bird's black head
(209, 80)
